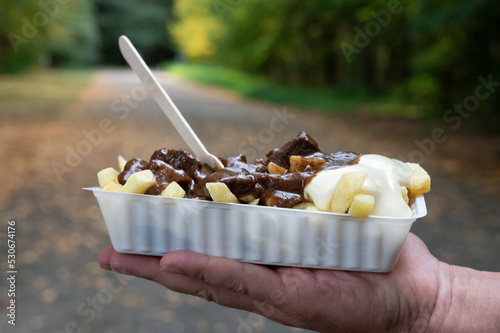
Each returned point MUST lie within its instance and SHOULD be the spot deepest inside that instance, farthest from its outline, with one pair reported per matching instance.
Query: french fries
(348, 186)
(404, 193)
(306, 206)
(361, 205)
(113, 187)
(107, 176)
(121, 162)
(247, 198)
(254, 202)
(173, 190)
(421, 180)
(221, 193)
(139, 182)
(349, 195)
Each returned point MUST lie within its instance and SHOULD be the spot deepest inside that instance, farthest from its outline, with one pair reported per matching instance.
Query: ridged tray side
(274, 236)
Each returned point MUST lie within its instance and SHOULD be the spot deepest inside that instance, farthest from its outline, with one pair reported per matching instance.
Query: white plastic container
(154, 225)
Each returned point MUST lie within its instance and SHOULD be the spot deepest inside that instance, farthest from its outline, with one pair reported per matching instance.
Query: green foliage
(49, 33)
(197, 30)
(72, 37)
(45, 32)
(319, 99)
(428, 52)
(15, 59)
(144, 22)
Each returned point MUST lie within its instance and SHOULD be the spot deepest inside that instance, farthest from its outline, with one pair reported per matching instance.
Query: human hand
(414, 297)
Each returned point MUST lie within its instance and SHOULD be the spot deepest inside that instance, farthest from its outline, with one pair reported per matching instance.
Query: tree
(144, 22)
(45, 32)
(428, 52)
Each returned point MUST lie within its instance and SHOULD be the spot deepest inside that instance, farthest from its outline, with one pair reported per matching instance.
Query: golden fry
(173, 190)
(306, 206)
(121, 162)
(421, 180)
(247, 198)
(139, 182)
(107, 176)
(347, 187)
(254, 202)
(362, 205)
(221, 193)
(113, 187)
(404, 193)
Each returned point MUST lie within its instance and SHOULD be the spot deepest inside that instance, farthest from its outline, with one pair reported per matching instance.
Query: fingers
(227, 282)
(146, 267)
(257, 282)
(207, 291)
(105, 257)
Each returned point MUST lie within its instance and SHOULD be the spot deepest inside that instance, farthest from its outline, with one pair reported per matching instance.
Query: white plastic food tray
(154, 225)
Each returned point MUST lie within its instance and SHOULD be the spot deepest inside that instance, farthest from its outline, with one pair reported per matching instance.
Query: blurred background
(418, 81)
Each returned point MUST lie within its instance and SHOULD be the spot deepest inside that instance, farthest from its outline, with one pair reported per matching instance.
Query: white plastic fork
(165, 102)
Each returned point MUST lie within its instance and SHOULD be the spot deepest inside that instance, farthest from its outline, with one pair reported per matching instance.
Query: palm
(322, 300)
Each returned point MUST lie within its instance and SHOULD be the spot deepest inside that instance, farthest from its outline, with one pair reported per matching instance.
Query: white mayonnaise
(385, 178)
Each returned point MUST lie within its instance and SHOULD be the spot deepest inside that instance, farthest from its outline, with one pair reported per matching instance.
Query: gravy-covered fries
(298, 176)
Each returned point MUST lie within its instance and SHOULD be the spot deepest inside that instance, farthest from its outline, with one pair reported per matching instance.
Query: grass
(327, 100)
(40, 94)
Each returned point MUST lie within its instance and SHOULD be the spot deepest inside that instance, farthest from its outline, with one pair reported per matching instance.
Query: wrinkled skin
(322, 300)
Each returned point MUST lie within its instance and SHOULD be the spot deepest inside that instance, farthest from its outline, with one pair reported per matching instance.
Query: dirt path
(60, 230)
